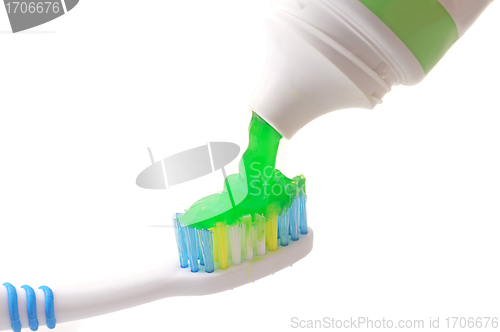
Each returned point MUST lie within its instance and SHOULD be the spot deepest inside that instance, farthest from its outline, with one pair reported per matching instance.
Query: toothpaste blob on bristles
(258, 211)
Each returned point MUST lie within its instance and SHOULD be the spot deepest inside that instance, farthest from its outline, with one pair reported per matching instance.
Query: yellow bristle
(221, 235)
(272, 232)
(268, 230)
(272, 226)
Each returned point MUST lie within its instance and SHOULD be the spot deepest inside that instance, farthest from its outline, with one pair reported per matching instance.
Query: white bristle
(235, 243)
(260, 238)
(242, 241)
(247, 236)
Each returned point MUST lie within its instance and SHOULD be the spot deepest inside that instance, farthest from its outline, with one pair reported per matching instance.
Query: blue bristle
(279, 227)
(181, 241)
(283, 228)
(207, 248)
(294, 218)
(303, 214)
(198, 245)
(192, 241)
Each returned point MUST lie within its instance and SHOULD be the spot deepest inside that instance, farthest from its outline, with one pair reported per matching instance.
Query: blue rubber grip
(49, 307)
(13, 308)
(31, 304)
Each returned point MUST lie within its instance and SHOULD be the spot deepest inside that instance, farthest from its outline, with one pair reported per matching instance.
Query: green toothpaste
(258, 187)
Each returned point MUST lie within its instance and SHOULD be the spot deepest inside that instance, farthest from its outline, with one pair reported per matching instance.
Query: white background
(404, 199)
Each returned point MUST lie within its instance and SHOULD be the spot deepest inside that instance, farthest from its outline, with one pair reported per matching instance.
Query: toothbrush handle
(97, 299)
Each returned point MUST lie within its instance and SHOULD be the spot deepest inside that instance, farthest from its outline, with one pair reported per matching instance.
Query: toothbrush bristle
(235, 241)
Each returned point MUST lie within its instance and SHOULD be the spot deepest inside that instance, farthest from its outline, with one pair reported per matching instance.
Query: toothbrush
(222, 252)
(20, 308)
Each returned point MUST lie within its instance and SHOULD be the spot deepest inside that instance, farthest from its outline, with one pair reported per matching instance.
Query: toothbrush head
(249, 247)
(247, 271)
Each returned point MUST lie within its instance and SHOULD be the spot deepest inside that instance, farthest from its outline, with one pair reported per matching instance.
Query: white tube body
(325, 55)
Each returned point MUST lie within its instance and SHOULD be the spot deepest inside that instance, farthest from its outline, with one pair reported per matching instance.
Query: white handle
(93, 300)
